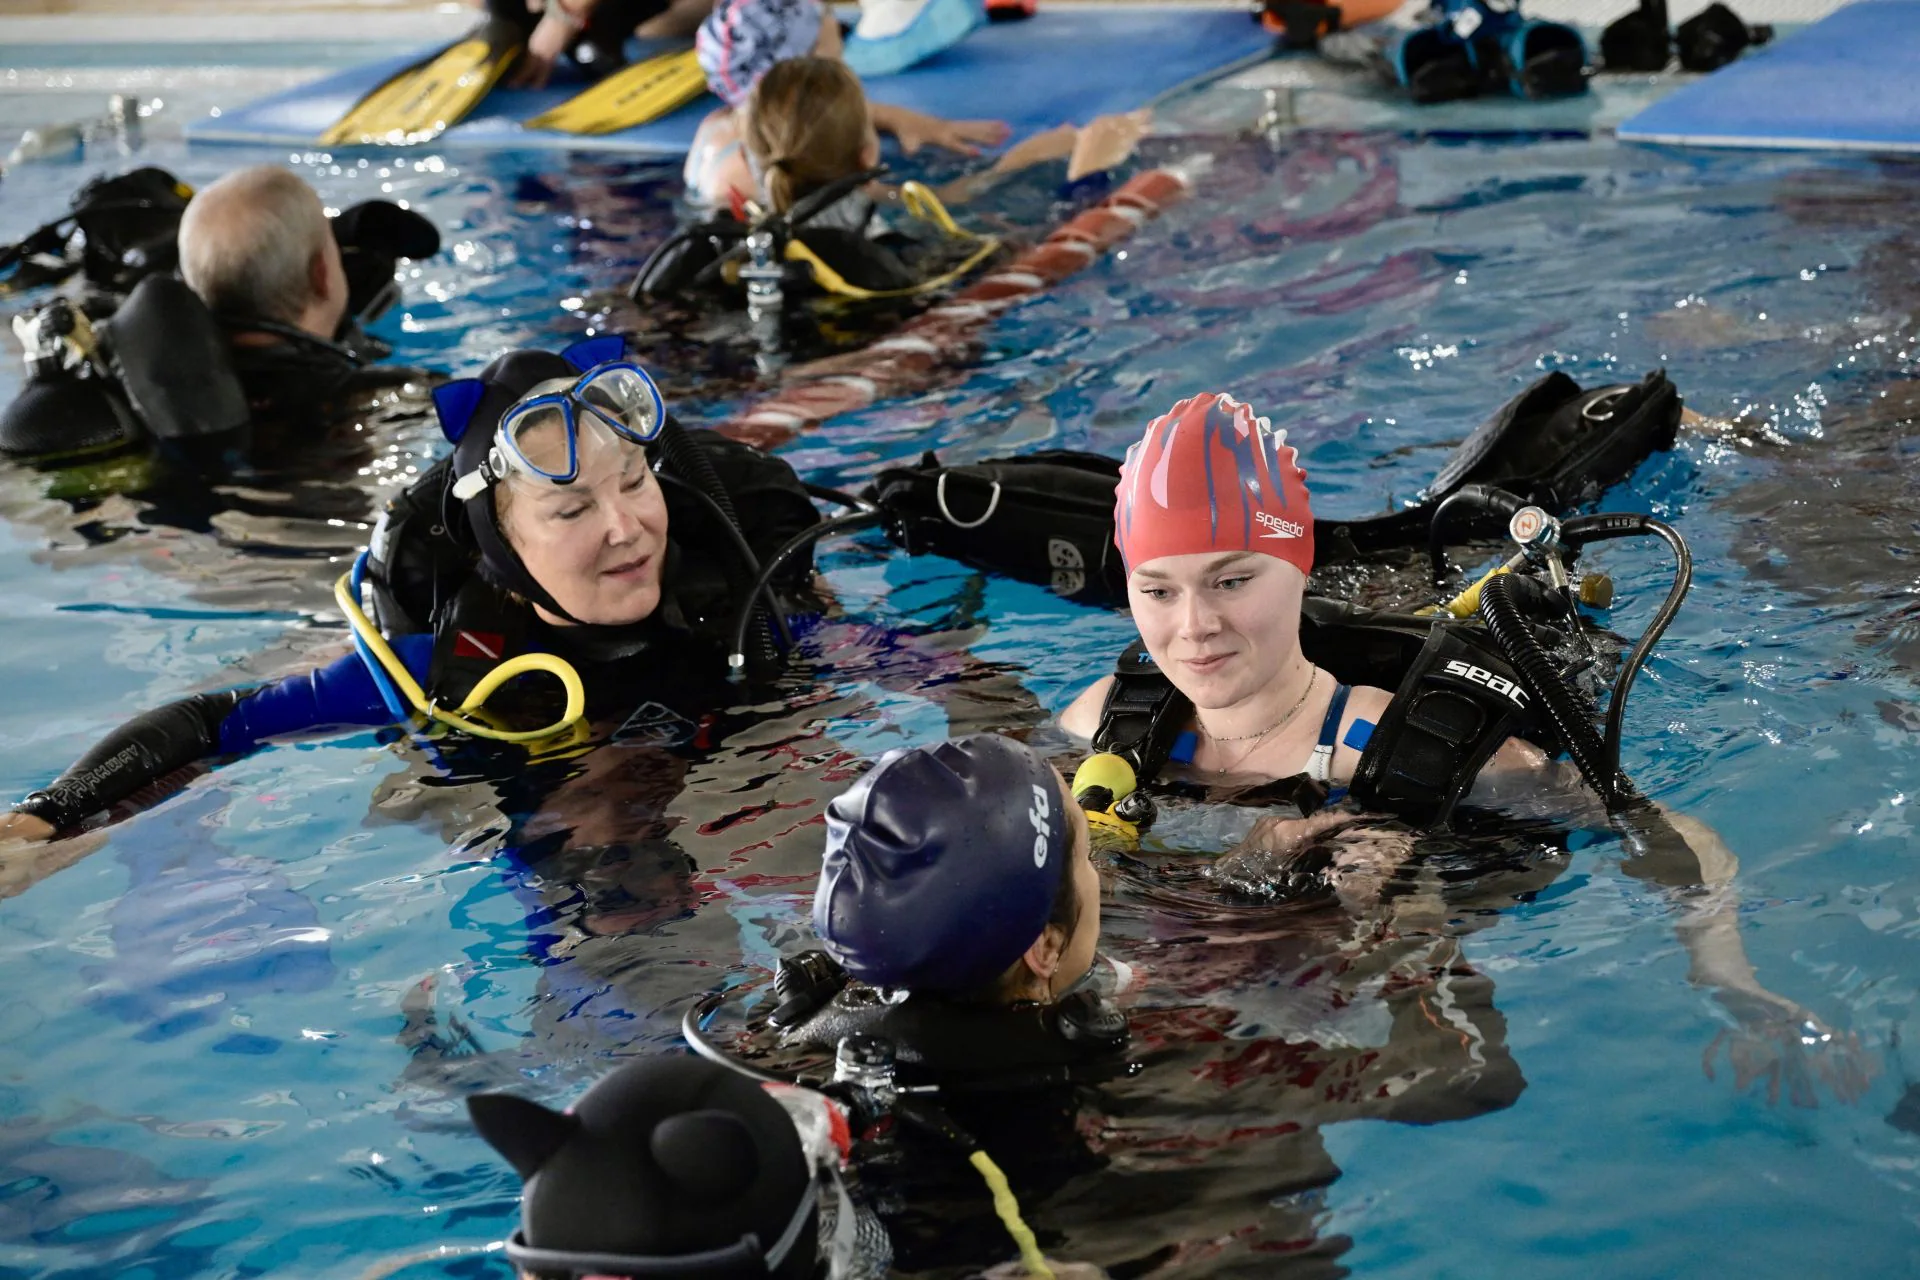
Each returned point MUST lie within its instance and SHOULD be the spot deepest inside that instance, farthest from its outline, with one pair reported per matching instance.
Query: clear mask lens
(625, 399)
(543, 432)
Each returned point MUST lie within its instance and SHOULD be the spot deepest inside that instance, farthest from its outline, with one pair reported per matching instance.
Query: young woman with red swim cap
(1213, 524)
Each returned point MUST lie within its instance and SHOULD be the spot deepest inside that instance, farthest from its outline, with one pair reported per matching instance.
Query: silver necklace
(1292, 711)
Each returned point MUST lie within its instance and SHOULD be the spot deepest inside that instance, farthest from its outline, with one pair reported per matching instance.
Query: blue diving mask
(619, 396)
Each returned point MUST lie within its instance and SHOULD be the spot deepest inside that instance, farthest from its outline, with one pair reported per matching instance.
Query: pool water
(235, 1036)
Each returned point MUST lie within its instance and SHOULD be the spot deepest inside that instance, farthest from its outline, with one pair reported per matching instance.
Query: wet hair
(1063, 915)
(247, 243)
(806, 125)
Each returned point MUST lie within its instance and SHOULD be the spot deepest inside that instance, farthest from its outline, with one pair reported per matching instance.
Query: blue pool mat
(1850, 81)
(1065, 64)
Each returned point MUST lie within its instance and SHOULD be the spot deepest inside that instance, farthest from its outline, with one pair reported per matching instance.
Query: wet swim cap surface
(666, 1157)
(1211, 475)
(942, 864)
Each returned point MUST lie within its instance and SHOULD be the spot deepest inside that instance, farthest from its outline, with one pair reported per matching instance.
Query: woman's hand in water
(23, 828)
(1054, 144)
(1289, 837)
(1107, 142)
(27, 859)
(1782, 1043)
(1281, 857)
(915, 129)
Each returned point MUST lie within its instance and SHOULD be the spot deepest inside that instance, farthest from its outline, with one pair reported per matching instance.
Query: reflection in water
(1393, 290)
(271, 543)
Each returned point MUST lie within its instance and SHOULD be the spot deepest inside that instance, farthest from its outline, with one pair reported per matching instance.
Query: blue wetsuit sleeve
(341, 693)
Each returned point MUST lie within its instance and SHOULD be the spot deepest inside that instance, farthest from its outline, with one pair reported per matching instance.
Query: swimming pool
(235, 1037)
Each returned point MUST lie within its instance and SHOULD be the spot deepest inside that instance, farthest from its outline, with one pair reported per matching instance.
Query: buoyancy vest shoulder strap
(1143, 713)
(1457, 703)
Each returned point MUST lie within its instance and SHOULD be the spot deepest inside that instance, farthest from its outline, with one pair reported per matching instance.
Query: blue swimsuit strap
(1335, 710)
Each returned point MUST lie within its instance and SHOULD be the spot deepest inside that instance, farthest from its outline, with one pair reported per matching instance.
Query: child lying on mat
(808, 123)
(740, 42)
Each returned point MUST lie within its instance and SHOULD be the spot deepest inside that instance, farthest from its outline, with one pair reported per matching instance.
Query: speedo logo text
(1281, 528)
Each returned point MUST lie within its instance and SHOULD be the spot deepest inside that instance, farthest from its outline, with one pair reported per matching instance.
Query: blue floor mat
(1850, 81)
(1067, 64)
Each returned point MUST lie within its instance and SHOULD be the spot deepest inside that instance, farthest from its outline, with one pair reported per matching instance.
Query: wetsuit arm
(160, 742)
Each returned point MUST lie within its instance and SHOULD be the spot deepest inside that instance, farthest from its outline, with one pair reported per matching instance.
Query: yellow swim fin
(629, 97)
(423, 101)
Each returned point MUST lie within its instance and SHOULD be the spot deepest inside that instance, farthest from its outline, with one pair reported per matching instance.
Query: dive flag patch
(479, 644)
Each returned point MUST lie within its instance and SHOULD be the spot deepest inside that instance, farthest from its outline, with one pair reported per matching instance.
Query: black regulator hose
(1536, 671)
(740, 549)
(839, 497)
(1472, 497)
(696, 1039)
(1583, 529)
(858, 519)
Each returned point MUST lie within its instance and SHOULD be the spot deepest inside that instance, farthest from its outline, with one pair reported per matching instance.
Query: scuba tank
(117, 231)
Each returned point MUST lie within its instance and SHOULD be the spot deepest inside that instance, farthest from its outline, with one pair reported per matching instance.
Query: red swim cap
(1211, 476)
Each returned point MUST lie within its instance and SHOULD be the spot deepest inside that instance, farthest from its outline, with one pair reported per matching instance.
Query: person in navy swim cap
(962, 869)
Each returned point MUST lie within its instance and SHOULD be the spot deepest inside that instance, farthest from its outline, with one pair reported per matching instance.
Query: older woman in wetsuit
(1213, 523)
(579, 547)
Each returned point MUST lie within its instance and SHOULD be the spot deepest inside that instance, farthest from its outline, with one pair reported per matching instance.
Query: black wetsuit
(656, 678)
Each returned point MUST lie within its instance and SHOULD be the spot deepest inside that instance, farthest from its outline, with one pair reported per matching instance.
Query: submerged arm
(157, 744)
(1775, 1037)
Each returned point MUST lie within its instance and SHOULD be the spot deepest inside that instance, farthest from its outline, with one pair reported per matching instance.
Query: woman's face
(1222, 627)
(597, 545)
(1077, 956)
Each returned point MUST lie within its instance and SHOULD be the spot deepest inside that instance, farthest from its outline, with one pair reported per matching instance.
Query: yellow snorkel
(404, 695)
